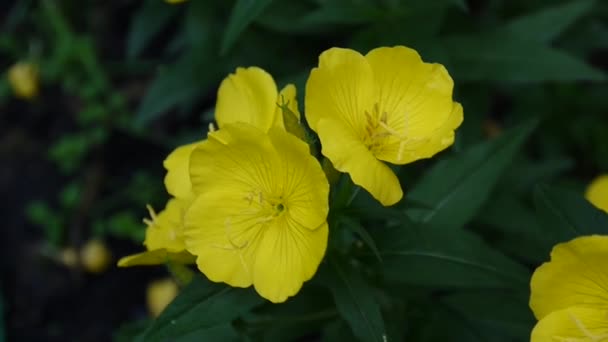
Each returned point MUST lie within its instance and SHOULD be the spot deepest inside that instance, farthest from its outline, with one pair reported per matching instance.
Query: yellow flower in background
(597, 192)
(164, 237)
(569, 294)
(260, 215)
(23, 78)
(386, 106)
(174, 1)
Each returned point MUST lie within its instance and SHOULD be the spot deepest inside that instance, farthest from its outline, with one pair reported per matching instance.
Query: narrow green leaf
(355, 300)
(243, 13)
(514, 319)
(201, 309)
(151, 17)
(548, 23)
(503, 57)
(457, 187)
(430, 256)
(173, 86)
(358, 229)
(567, 215)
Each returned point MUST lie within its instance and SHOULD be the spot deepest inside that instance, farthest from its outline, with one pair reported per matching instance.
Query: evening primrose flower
(23, 78)
(386, 106)
(260, 215)
(250, 96)
(570, 293)
(164, 238)
(597, 192)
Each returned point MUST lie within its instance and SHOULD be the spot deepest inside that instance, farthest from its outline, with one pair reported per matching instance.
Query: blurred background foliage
(121, 83)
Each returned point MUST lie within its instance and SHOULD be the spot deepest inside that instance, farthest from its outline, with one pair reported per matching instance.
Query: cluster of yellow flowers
(250, 203)
(569, 294)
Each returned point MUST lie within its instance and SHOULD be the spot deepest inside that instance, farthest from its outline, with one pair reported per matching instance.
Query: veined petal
(155, 257)
(305, 186)
(249, 96)
(287, 256)
(341, 88)
(597, 192)
(576, 324)
(349, 155)
(575, 276)
(177, 180)
(244, 160)
(165, 228)
(396, 153)
(221, 231)
(416, 96)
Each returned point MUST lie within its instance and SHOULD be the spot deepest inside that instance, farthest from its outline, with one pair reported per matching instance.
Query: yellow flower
(250, 96)
(385, 106)
(23, 78)
(164, 237)
(597, 192)
(570, 292)
(260, 215)
(174, 1)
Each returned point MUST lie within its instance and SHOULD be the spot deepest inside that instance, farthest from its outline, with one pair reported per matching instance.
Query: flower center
(378, 133)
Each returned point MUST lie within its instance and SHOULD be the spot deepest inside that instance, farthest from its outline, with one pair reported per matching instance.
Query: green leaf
(545, 25)
(457, 187)
(150, 19)
(566, 215)
(358, 229)
(514, 319)
(202, 309)
(504, 57)
(243, 13)
(444, 258)
(355, 300)
(174, 85)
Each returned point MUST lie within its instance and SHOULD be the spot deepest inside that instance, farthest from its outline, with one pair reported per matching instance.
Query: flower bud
(23, 78)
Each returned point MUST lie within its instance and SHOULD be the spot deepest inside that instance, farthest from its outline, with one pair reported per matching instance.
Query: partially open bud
(95, 256)
(23, 78)
(159, 294)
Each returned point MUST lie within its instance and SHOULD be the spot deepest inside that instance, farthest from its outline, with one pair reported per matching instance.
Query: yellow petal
(249, 96)
(155, 257)
(177, 180)
(597, 192)
(576, 324)
(440, 139)
(287, 256)
(341, 88)
(222, 241)
(303, 178)
(349, 155)
(417, 96)
(575, 276)
(165, 228)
